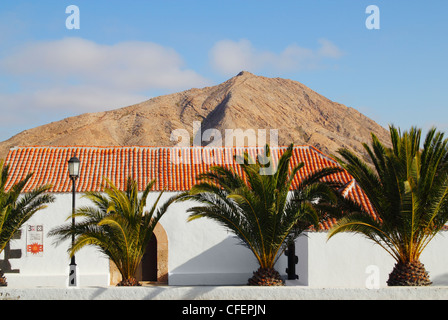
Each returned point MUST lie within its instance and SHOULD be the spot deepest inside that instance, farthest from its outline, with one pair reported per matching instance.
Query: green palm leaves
(258, 206)
(117, 224)
(16, 208)
(408, 188)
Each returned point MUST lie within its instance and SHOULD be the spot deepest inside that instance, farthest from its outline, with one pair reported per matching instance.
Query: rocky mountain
(245, 101)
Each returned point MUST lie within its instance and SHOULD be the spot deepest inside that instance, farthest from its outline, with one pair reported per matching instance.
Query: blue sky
(128, 51)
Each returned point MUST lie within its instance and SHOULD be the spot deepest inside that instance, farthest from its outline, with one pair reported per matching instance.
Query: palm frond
(257, 207)
(117, 224)
(408, 190)
(16, 207)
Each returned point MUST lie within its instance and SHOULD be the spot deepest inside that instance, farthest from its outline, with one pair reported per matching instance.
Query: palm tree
(408, 189)
(16, 207)
(117, 224)
(259, 208)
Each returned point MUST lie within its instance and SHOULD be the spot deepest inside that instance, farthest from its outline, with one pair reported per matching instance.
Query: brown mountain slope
(245, 101)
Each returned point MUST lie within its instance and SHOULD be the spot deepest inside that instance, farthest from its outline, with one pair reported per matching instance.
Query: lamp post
(73, 168)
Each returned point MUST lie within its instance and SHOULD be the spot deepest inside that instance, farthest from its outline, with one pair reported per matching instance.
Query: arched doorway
(154, 266)
(147, 270)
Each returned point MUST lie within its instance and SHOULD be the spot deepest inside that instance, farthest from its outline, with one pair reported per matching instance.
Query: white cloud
(229, 57)
(329, 50)
(60, 78)
(56, 70)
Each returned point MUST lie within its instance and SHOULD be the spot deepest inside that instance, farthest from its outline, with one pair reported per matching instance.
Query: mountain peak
(245, 74)
(300, 116)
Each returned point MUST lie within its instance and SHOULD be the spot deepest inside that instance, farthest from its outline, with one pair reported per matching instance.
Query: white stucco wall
(52, 268)
(203, 253)
(349, 260)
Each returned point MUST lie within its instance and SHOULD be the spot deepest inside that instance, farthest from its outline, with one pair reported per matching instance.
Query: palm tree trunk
(409, 274)
(130, 282)
(266, 277)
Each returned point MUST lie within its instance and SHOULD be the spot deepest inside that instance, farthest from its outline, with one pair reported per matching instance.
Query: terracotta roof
(172, 173)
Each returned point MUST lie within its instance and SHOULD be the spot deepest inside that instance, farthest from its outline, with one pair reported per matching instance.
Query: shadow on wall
(440, 280)
(225, 263)
(5, 264)
(302, 254)
(230, 263)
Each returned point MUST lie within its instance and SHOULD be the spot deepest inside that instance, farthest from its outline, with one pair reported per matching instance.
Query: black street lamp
(73, 168)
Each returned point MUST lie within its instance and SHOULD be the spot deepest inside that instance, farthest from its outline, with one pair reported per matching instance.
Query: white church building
(183, 253)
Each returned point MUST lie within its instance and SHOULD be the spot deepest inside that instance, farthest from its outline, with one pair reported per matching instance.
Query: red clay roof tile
(50, 166)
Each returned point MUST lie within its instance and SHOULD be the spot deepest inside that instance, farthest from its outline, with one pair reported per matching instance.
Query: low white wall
(349, 260)
(202, 252)
(215, 293)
